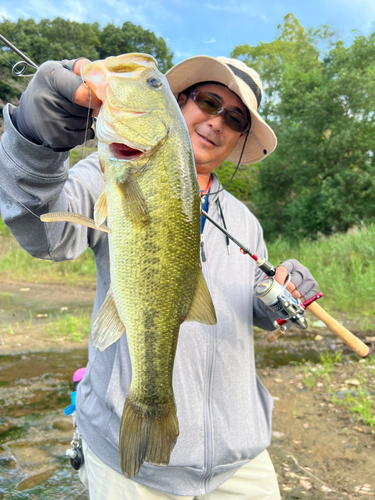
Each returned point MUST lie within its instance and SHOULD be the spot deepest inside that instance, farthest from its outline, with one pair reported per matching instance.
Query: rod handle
(274, 335)
(353, 342)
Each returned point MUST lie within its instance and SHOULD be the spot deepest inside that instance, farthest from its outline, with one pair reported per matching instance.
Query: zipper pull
(202, 249)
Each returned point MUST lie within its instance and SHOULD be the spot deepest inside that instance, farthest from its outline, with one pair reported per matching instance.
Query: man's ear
(182, 98)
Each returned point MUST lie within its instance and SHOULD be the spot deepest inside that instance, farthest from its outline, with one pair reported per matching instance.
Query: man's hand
(53, 109)
(302, 284)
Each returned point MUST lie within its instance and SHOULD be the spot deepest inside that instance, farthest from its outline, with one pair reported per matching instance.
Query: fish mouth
(123, 152)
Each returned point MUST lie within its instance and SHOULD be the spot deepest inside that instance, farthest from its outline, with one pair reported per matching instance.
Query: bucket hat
(241, 80)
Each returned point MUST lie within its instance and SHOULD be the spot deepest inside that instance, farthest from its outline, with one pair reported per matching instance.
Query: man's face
(211, 138)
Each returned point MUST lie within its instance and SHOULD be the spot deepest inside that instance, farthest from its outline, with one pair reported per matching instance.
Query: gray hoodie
(223, 409)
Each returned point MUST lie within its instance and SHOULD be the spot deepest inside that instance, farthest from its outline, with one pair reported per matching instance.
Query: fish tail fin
(145, 437)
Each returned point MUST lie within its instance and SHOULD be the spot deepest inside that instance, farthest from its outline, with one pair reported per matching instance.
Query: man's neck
(203, 180)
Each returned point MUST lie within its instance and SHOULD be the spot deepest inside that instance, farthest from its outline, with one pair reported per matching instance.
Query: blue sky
(211, 27)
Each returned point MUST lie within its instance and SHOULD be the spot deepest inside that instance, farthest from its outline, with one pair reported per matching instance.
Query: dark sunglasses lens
(235, 121)
(207, 103)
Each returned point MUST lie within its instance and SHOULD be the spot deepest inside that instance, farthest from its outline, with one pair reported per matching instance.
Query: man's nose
(216, 122)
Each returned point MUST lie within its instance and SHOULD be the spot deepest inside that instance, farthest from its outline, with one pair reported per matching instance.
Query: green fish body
(152, 204)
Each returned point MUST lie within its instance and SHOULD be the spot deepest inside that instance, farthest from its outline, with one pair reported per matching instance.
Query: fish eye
(155, 82)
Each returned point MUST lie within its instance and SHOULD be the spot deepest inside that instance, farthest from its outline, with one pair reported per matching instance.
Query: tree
(131, 38)
(319, 99)
(63, 39)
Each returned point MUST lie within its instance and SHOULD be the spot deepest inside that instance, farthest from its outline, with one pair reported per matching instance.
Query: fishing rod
(20, 67)
(281, 301)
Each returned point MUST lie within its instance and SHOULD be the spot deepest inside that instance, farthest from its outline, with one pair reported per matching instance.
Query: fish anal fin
(100, 209)
(149, 437)
(134, 203)
(107, 327)
(202, 309)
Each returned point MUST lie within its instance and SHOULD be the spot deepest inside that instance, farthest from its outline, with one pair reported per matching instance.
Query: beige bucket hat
(241, 80)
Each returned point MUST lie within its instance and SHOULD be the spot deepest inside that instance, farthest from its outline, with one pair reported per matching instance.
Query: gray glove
(47, 114)
(301, 277)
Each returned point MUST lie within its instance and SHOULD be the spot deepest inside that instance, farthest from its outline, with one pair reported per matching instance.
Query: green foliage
(63, 39)
(73, 327)
(343, 265)
(3, 229)
(326, 366)
(243, 183)
(319, 99)
(17, 264)
(131, 38)
(361, 405)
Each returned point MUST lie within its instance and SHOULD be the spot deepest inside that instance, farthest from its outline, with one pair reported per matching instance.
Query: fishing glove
(301, 277)
(47, 115)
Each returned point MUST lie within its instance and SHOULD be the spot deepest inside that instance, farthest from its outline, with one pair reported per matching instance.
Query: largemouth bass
(152, 204)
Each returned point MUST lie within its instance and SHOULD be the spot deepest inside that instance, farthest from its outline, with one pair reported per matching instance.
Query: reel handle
(353, 342)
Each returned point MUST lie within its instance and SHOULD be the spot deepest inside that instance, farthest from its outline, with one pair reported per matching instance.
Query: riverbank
(323, 437)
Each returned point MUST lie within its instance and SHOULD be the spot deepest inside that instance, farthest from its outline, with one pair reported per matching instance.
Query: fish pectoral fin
(72, 217)
(107, 327)
(100, 209)
(202, 309)
(134, 203)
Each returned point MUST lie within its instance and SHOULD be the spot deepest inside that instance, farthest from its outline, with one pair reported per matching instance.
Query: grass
(362, 406)
(344, 267)
(359, 401)
(75, 328)
(314, 372)
(17, 265)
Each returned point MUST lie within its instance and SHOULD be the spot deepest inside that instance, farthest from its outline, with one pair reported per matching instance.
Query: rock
(353, 381)
(35, 479)
(318, 324)
(318, 338)
(306, 484)
(8, 462)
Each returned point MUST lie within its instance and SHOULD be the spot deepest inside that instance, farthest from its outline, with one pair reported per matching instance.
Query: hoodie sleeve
(36, 179)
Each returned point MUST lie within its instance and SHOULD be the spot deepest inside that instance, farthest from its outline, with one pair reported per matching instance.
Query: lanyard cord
(238, 164)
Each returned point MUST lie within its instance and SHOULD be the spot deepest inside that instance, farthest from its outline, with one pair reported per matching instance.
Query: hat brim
(262, 140)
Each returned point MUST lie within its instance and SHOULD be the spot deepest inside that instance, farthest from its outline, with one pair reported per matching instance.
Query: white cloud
(233, 8)
(211, 41)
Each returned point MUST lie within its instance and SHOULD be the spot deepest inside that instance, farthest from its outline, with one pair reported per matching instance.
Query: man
(223, 409)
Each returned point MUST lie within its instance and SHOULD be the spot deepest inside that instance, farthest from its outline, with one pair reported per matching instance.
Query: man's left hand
(302, 284)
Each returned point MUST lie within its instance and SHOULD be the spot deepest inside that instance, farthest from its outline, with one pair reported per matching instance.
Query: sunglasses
(208, 103)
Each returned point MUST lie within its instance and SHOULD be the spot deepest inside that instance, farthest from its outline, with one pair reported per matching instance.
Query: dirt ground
(26, 309)
(320, 450)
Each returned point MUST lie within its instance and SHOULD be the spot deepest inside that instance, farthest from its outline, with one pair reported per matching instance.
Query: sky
(209, 27)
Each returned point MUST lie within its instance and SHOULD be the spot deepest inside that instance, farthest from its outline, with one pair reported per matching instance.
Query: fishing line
(88, 110)
(11, 65)
(19, 202)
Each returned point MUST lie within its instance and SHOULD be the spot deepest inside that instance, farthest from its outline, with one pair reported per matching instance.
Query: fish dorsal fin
(134, 202)
(107, 327)
(100, 209)
(202, 308)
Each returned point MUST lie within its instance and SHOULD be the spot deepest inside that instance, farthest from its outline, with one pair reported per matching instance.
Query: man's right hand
(53, 109)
